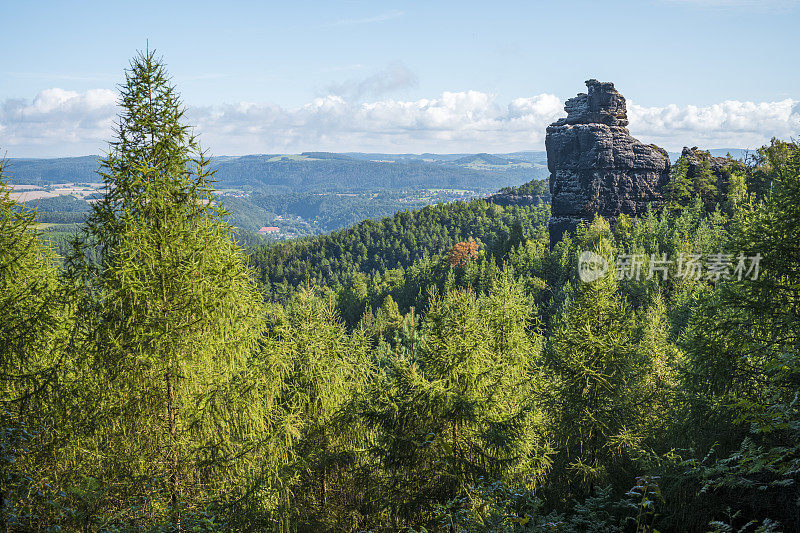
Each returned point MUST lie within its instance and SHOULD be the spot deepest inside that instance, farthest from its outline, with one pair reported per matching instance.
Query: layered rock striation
(695, 158)
(596, 167)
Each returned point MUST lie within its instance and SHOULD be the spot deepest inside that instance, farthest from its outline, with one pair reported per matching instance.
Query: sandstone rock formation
(596, 167)
(695, 157)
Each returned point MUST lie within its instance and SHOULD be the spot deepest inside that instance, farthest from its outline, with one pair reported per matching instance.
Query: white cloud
(454, 121)
(472, 121)
(58, 122)
(730, 124)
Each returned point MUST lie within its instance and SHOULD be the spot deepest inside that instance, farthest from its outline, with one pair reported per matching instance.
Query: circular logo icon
(591, 266)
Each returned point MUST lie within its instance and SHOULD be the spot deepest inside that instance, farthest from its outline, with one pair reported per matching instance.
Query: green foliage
(538, 189)
(397, 242)
(713, 180)
(387, 384)
(34, 324)
(678, 191)
(454, 406)
(601, 376)
(749, 331)
(170, 315)
(769, 162)
(31, 304)
(331, 211)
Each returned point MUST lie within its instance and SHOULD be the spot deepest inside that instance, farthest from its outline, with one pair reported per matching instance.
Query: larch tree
(460, 409)
(34, 321)
(743, 369)
(30, 305)
(592, 354)
(319, 366)
(171, 313)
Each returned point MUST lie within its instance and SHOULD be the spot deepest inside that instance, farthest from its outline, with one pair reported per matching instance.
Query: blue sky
(402, 76)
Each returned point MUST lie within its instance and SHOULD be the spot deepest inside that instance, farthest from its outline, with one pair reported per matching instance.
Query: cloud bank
(730, 124)
(63, 123)
(57, 122)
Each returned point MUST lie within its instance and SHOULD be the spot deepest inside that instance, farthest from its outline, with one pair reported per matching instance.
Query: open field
(28, 193)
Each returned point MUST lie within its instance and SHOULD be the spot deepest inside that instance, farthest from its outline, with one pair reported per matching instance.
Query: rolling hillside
(317, 171)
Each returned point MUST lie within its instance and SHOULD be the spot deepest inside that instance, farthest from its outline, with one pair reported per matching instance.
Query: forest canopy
(443, 369)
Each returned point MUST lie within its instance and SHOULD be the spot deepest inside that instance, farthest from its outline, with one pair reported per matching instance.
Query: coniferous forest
(445, 369)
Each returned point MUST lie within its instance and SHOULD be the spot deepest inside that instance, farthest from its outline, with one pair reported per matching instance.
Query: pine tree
(171, 312)
(320, 368)
(458, 409)
(593, 357)
(31, 305)
(34, 322)
(743, 368)
(705, 183)
(678, 191)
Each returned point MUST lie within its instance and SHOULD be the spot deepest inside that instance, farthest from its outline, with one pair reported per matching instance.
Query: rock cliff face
(695, 157)
(596, 167)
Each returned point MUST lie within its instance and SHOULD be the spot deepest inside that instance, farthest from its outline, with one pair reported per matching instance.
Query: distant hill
(398, 241)
(536, 157)
(321, 171)
(305, 193)
(486, 159)
(338, 172)
(56, 170)
(531, 156)
(317, 171)
(327, 171)
(376, 156)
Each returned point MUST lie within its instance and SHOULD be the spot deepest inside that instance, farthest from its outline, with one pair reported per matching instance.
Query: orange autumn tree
(462, 252)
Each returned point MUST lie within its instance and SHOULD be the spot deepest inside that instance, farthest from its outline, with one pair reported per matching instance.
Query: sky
(401, 77)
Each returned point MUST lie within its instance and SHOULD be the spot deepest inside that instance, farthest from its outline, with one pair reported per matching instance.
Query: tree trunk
(174, 481)
(3, 520)
(324, 484)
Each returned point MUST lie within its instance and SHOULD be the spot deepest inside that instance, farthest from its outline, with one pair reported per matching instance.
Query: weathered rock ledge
(596, 167)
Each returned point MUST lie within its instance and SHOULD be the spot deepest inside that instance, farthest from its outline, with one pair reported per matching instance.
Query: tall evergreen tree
(34, 321)
(593, 356)
(30, 304)
(171, 312)
(705, 183)
(744, 365)
(318, 367)
(678, 191)
(459, 408)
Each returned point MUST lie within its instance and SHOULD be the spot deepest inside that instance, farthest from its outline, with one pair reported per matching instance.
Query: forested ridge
(311, 171)
(444, 369)
(372, 247)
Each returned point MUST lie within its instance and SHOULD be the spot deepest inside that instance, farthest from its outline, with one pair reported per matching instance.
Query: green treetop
(172, 314)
